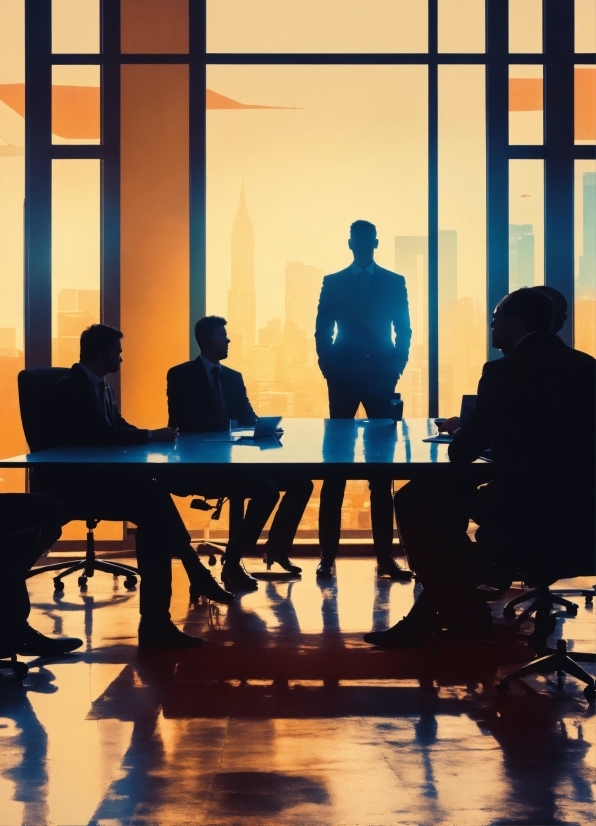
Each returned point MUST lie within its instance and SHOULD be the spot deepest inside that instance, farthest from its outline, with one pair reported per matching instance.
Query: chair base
(66, 568)
(559, 660)
(88, 566)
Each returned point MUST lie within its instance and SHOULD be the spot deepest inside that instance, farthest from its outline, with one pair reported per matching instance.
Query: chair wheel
(58, 585)
(212, 560)
(82, 580)
(509, 613)
(590, 693)
(20, 670)
(572, 610)
(589, 599)
(502, 688)
(130, 582)
(546, 629)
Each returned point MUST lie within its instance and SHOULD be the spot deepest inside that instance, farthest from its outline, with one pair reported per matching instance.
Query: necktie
(217, 394)
(103, 400)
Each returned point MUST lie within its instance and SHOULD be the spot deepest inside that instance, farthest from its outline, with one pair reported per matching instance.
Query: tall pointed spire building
(241, 295)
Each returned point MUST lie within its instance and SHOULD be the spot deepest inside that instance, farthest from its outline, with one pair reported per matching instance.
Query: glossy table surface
(311, 447)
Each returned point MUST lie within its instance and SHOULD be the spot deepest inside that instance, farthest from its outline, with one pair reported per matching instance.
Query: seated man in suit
(538, 510)
(30, 523)
(87, 415)
(203, 395)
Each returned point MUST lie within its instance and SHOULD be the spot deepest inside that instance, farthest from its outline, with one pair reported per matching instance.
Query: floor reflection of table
(315, 448)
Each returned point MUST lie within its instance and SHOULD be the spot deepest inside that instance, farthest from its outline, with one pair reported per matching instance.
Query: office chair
(543, 609)
(236, 516)
(37, 387)
(538, 598)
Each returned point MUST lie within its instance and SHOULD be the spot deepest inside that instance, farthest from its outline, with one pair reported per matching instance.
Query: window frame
(559, 153)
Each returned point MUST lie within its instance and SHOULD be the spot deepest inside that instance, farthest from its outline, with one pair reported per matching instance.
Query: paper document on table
(440, 438)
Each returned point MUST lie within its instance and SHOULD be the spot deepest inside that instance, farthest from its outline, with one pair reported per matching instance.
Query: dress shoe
(388, 567)
(35, 644)
(204, 585)
(404, 634)
(282, 560)
(165, 635)
(325, 567)
(234, 575)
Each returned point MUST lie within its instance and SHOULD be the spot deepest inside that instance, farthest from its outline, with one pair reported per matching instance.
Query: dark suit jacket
(191, 405)
(536, 410)
(366, 319)
(80, 419)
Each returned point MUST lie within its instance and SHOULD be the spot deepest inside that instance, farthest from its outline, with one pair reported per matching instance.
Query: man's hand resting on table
(451, 425)
(163, 434)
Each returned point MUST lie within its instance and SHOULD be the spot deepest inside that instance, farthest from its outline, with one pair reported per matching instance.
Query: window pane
(525, 26)
(317, 26)
(585, 104)
(154, 26)
(462, 233)
(526, 105)
(12, 194)
(585, 257)
(76, 109)
(585, 25)
(75, 254)
(461, 26)
(75, 26)
(526, 223)
(284, 185)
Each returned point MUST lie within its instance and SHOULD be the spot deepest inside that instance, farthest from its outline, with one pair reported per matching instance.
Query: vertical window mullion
(497, 133)
(38, 184)
(433, 213)
(198, 163)
(559, 152)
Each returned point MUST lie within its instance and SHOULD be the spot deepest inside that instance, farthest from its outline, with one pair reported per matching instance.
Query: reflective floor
(285, 716)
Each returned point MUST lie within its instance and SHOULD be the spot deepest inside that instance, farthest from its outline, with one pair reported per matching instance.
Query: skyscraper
(241, 295)
(521, 256)
(303, 287)
(587, 261)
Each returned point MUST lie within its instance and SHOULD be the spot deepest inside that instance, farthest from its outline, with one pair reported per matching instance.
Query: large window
(178, 157)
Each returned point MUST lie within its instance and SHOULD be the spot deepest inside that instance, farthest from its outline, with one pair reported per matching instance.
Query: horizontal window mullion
(529, 151)
(77, 59)
(74, 151)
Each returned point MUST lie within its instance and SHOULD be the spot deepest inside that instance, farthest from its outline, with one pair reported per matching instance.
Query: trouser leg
(433, 521)
(381, 512)
(332, 497)
(344, 398)
(262, 496)
(289, 513)
(29, 525)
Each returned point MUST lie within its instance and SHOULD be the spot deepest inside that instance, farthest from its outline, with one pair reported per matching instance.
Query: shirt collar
(208, 365)
(523, 338)
(358, 270)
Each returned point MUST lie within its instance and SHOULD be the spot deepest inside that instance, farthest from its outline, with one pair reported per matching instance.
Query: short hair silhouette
(205, 327)
(362, 228)
(560, 302)
(96, 339)
(534, 308)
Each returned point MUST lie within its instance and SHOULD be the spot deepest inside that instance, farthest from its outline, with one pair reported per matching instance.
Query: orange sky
(76, 109)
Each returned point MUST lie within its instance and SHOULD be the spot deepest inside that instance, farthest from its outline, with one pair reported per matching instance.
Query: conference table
(312, 448)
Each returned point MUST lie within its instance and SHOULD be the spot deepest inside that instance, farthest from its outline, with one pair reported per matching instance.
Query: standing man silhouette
(363, 305)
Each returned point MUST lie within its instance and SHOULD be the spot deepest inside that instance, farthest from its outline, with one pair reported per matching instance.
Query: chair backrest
(37, 389)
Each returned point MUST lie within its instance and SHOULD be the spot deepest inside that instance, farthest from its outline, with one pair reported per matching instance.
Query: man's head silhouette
(363, 242)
